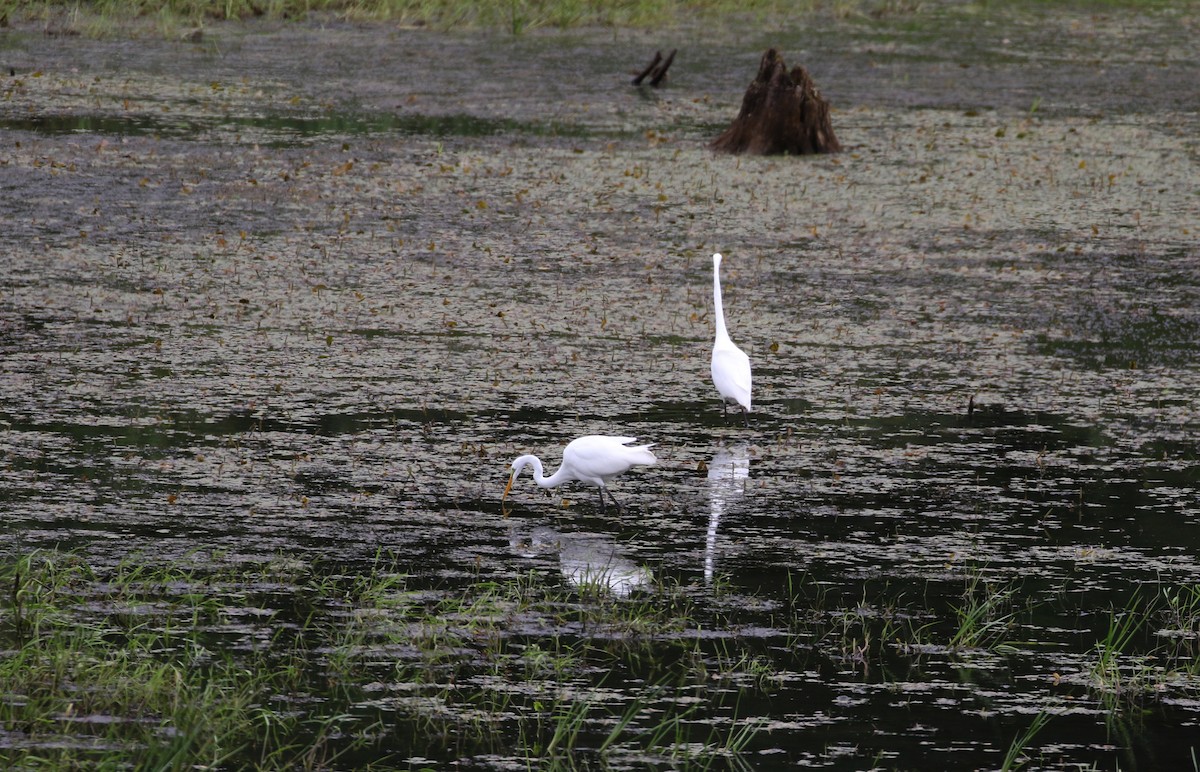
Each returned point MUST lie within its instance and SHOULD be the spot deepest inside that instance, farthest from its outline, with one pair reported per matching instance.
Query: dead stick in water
(649, 68)
(661, 72)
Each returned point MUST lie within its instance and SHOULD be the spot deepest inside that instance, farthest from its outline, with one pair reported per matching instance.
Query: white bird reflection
(727, 476)
(588, 562)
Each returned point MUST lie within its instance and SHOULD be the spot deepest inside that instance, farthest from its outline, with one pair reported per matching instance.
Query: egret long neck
(718, 308)
(558, 478)
(539, 471)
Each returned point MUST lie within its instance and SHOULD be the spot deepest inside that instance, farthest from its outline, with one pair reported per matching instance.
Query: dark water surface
(307, 290)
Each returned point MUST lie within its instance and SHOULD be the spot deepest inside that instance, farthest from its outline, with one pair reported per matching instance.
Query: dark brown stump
(782, 112)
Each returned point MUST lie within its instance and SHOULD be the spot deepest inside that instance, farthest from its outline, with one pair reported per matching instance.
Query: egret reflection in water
(727, 475)
(587, 561)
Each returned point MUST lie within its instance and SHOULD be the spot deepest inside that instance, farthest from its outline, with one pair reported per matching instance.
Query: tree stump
(782, 112)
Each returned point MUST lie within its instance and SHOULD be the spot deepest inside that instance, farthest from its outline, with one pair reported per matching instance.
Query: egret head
(514, 472)
(507, 488)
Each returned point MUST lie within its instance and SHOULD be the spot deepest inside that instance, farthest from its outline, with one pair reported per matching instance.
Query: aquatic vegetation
(168, 666)
(985, 616)
(1015, 758)
(1180, 625)
(1115, 670)
(99, 669)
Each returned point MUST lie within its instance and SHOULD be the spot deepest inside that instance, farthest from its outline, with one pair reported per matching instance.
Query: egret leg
(620, 507)
(603, 509)
(746, 416)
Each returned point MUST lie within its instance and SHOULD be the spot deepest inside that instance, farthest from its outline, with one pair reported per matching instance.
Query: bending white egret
(730, 365)
(595, 459)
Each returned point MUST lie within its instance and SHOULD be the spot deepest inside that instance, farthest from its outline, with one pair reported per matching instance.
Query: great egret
(594, 459)
(730, 365)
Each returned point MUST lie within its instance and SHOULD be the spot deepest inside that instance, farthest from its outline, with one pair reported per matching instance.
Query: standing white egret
(730, 365)
(594, 459)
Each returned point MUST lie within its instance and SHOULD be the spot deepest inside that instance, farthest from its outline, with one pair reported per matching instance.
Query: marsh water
(303, 291)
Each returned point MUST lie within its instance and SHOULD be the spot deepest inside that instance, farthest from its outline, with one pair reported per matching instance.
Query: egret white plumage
(730, 365)
(594, 459)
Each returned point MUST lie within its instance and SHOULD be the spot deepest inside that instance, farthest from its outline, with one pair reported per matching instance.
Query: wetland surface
(283, 303)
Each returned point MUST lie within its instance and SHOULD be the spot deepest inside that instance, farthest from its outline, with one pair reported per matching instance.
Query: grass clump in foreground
(117, 670)
(286, 665)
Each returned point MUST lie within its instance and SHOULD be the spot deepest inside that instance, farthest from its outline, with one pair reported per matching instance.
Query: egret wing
(731, 374)
(603, 457)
